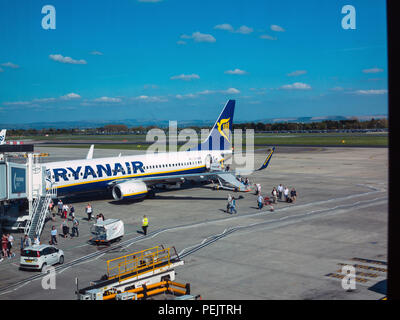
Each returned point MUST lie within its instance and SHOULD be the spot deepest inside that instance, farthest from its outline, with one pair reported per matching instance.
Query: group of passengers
(7, 241)
(280, 193)
(62, 210)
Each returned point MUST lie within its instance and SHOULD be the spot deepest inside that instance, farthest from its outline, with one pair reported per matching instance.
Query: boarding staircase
(231, 179)
(35, 224)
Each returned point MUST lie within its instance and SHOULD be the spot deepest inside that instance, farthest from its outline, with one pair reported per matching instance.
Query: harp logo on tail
(223, 128)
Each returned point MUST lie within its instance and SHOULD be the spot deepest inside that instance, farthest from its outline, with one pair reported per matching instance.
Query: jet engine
(129, 190)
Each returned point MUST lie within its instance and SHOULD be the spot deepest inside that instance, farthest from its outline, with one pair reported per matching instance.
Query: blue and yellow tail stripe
(266, 162)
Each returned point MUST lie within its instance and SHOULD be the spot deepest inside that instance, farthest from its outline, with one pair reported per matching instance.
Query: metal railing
(50, 193)
(139, 262)
(45, 208)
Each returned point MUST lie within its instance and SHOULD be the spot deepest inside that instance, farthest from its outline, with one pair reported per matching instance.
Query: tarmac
(295, 252)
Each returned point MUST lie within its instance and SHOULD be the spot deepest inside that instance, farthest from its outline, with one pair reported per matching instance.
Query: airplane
(136, 176)
(3, 136)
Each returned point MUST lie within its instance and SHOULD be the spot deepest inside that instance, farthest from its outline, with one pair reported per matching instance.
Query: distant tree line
(322, 125)
(257, 126)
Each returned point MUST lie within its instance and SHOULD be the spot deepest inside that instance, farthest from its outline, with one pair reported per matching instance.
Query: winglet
(90, 153)
(266, 162)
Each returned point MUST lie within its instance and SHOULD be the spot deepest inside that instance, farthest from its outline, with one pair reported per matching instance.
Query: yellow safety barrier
(138, 263)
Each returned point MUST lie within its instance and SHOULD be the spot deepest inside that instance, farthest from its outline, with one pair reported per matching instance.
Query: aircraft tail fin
(220, 137)
(3, 136)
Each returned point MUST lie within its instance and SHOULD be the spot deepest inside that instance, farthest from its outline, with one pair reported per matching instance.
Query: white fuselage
(97, 174)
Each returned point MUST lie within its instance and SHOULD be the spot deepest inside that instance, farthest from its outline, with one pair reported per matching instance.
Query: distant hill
(164, 123)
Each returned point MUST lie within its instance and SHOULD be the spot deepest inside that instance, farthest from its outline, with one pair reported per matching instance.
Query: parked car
(38, 256)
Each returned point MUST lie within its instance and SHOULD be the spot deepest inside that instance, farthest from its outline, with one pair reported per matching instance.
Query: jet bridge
(19, 181)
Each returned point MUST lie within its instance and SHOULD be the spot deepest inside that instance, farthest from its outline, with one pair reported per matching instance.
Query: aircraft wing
(227, 176)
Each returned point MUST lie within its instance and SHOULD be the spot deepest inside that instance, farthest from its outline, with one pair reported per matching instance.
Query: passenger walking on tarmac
(145, 224)
(53, 233)
(280, 191)
(4, 245)
(286, 193)
(65, 228)
(72, 212)
(274, 195)
(10, 245)
(26, 242)
(229, 204)
(293, 195)
(60, 206)
(233, 205)
(99, 218)
(51, 205)
(75, 224)
(89, 211)
(260, 201)
(36, 241)
(65, 211)
(258, 189)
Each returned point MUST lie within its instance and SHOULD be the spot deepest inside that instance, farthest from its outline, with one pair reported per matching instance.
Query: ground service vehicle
(38, 256)
(107, 231)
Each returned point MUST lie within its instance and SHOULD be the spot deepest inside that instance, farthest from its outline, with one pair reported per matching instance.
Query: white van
(39, 256)
(107, 231)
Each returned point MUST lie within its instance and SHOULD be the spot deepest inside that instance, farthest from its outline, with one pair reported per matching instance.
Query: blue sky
(182, 59)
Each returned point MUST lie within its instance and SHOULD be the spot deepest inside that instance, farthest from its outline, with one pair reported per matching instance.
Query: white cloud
(62, 59)
(185, 96)
(186, 77)
(181, 42)
(206, 92)
(244, 30)
(96, 53)
(199, 37)
(224, 26)
(17, 103)
(150, 99)
(10, 65)
(71, 96)
(202, 37)
(236, 71)
(267, 37)
(231, 91)
(44, 100)
(369, 92)
(277, 28)
(296, 86)
(34, 102)
(108, 99)
(372, 70)
(297, 73)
